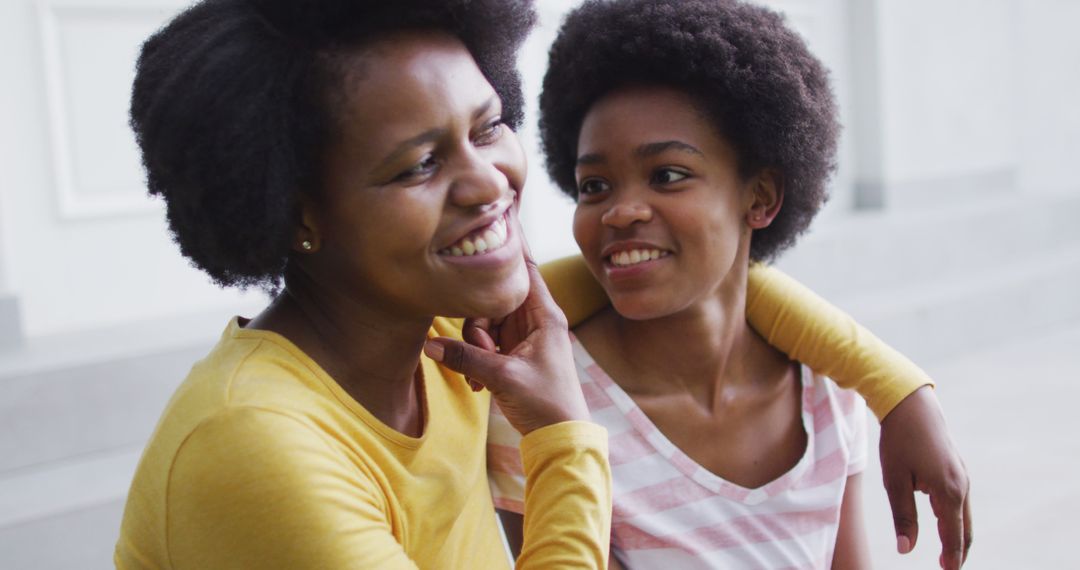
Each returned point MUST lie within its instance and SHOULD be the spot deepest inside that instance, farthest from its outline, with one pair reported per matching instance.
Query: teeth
(635, 256)
(490, 239)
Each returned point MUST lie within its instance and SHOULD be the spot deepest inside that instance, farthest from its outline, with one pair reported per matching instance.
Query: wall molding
(74, 202)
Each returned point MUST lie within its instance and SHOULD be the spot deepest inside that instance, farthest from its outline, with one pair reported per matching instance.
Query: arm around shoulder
(813, 331)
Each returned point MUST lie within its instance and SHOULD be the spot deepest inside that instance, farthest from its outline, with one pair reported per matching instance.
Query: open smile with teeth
(635, 256)
(479, 242)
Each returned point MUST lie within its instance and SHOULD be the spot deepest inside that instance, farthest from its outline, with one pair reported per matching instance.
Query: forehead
(645, 114)
(405, 79)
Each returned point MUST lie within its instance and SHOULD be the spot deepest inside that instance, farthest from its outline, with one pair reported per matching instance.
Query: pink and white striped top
(671, 513)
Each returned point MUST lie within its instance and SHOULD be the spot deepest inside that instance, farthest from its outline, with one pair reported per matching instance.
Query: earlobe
(768, 198)
(306, 234)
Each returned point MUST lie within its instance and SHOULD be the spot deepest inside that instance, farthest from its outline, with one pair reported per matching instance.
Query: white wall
(948, 87)
(1048, 100)
(83, 246)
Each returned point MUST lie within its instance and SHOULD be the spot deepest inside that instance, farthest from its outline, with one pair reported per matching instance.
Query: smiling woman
(359, 154)
(697, 136)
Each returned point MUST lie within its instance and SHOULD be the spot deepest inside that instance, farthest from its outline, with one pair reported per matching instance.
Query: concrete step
(937, 318)
(75, 413)
(61, 487)
(93, 392)
(82, 538)
(65, 514)
(882, 251)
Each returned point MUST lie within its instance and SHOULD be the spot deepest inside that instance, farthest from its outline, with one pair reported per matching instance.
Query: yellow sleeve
(567, 497)
(239, 499)
(811, 330)
(792, 318)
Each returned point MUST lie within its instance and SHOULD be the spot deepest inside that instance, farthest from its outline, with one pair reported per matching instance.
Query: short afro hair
(752, 75)
(233, 108)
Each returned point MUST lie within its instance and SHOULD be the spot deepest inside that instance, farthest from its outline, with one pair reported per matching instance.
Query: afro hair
(233, 110)
(752, 76)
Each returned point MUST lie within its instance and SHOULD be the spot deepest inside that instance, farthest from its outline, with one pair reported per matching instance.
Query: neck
(371, 354)
(703, 350)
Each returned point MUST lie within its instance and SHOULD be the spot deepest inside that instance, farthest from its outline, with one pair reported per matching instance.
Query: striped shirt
(671, 513)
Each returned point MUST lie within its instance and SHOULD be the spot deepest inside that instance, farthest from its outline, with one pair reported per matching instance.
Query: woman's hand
(917, 455)
(523, 359)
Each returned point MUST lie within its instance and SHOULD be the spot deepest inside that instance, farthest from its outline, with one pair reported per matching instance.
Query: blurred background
(951, 233)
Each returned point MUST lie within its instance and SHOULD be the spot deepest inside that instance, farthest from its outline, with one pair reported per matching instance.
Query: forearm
(852, 549)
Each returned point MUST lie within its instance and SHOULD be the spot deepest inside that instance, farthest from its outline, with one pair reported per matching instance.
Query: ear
(768, 196)
(306, 236)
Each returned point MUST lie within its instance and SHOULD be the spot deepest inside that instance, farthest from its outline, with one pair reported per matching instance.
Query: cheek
(585, 228)
(508, 156)
(404, 223)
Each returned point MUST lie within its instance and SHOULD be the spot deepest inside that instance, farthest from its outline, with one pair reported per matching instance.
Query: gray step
(62, 487)
(82, 539)
(93, 392)
(938, 318)
(882, 251)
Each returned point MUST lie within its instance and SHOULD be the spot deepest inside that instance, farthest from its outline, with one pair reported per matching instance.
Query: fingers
(948, 504)
(969, 534)
(477, 332)
(479, 365)
(905, 516)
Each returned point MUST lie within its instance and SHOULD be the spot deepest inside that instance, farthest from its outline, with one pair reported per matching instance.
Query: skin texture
(421, 161)
(852, 550)
(918, 455)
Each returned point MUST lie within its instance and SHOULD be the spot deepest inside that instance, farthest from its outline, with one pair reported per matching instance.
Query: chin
(639, 307)
(500, 299)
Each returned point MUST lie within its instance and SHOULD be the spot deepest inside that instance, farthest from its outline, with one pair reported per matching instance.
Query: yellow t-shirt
(791, 318)
(262, 461)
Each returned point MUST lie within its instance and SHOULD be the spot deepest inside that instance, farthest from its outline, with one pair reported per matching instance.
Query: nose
(478, 182)
(626, 213)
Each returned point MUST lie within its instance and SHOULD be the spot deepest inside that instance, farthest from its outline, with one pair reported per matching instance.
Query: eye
(426, 166)
(592, 188)
(490, 133)
(668, 176)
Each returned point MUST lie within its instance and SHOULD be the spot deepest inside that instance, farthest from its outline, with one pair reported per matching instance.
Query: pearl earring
(306, 245)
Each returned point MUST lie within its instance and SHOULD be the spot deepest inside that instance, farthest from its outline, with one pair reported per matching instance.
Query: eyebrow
(433, 134)
(643, 151)
(653, 149)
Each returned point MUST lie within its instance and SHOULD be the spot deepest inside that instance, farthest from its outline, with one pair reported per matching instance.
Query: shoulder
(249, 439)
(838, 408)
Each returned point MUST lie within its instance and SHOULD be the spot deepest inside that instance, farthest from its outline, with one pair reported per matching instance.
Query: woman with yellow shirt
(357, 159)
